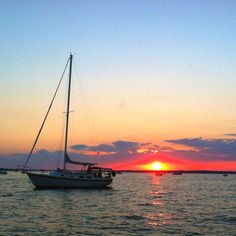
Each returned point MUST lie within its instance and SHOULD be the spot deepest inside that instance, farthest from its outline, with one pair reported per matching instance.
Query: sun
(156, 166)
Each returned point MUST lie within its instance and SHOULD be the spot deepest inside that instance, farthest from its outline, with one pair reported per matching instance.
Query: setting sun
(156, 166)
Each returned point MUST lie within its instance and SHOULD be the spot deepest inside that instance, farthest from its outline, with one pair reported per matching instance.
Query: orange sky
(167, 75)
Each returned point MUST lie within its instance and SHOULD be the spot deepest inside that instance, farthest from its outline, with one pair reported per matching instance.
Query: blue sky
(152, 70)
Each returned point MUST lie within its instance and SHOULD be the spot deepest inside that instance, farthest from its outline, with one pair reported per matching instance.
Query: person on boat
(95, 174)
(100, 173)
(89, 170)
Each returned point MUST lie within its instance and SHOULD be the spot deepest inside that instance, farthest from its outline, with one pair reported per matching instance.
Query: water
(138, 204)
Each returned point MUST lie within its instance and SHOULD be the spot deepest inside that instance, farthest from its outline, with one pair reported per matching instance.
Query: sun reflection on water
(158, 219)
(143, 204)
(157, 214)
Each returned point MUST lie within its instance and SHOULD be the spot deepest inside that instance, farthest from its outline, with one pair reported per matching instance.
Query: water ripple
(137, 204)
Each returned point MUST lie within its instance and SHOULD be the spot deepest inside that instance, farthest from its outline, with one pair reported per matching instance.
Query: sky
(153, 81)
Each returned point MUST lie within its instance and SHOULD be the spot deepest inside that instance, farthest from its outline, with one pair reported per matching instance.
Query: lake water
(137, 204)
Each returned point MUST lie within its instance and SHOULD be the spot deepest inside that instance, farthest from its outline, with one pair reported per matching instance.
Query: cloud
(190, 142)
(145, 144)
(79, 146)
(122, 154)
(101, 148)
(207, 149)
(230, 134)
(116, 147)
(125, 146)
(119, 153)
(42, 159)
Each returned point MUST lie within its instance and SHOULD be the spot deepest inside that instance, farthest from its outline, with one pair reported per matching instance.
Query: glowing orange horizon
(156, 165)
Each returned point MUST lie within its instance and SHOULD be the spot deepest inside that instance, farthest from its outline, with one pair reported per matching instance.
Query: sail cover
(68, 160)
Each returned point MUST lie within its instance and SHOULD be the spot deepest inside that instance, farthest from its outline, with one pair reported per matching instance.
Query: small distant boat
(158, 173)
(225, 175)
(3, 172)
(177, 173)
(90, 176)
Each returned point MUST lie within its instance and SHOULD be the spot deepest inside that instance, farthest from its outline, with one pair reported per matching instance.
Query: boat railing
(28, 169)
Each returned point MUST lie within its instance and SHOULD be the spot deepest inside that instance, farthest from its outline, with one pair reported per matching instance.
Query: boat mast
(68, 112)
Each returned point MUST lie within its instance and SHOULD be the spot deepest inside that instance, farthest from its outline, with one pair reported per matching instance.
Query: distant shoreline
(150, 171)
(181, 171)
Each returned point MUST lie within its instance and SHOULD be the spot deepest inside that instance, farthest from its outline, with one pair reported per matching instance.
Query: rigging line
(45, 118)
(91, 123)
(71, 134)
(60, 154)
(88, 115)
(87, 118)
(61, 144)
(86, 108)
(82, 96)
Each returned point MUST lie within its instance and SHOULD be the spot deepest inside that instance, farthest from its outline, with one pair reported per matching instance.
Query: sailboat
(90, 175)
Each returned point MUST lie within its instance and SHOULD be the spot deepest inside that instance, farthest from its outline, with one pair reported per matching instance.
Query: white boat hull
(44, 181)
